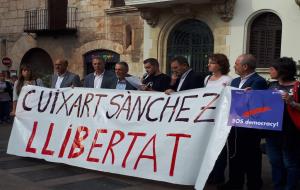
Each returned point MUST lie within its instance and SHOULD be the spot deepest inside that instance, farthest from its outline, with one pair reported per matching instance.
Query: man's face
(150, 69)
(98, 65)
(120, 71)
(60, 67)
(240, 68)
(177, 69)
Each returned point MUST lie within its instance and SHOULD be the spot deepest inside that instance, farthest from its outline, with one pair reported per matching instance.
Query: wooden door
(57, 14)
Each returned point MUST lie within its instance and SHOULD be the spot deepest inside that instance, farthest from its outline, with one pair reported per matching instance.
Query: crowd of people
(243, 147)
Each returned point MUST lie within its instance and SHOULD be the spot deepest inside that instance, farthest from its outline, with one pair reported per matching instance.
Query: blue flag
(259, 109)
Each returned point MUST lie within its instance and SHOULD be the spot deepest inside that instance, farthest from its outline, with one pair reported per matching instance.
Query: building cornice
(123, 9)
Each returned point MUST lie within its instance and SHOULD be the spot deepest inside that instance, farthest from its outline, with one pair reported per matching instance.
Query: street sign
(7, 61)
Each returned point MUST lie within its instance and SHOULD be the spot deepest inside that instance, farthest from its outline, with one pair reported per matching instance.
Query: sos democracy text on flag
(260, 109)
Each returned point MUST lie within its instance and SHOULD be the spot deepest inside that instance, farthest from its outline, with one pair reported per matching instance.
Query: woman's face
(273, 73)
(26, 73)
(213, 66)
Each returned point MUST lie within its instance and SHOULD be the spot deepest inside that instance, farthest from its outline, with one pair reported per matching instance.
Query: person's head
(245, 64)
(60, 66)
(14, 78)
(218, 62)
(179, 65)
(2, 76)
(25, 72)
(283, 69)
(98, 65)
(151, 66)
(7, 75)
(121, 70)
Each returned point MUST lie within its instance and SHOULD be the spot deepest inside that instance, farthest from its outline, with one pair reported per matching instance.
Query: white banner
(174, 138)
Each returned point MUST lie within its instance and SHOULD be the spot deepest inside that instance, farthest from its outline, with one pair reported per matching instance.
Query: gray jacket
(69, 80)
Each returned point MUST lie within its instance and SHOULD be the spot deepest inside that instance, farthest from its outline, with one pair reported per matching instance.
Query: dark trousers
(285, 164)
(245, 158)
(217, 175)
(4, 110)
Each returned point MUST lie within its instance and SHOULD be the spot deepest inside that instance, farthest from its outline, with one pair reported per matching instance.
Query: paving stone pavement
(17, 173)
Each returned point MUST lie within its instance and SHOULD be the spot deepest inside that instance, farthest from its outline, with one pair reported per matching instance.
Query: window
(265, 39)
(128, 36)
(194, 40)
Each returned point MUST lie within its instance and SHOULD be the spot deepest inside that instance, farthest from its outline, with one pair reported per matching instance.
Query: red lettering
(152, 157)
(77, 142)
(112, 144)
(28, 147)
(45, 150)
(174, 155)
(135, 136)
(64, 144)
(95, 145)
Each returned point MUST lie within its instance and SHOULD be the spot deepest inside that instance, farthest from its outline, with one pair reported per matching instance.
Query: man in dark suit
(121, 70)
(63, 78)
(183, 77)
(100, 78)
(244, 144)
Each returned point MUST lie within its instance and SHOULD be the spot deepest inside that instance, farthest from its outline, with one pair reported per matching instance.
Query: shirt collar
(121, 81)
(62, 75)
(99, 75)
(185, 74)
(247, 76)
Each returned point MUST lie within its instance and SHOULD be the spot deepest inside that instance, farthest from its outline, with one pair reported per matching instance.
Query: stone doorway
(110, 58)
(194, 40)
(41, 63)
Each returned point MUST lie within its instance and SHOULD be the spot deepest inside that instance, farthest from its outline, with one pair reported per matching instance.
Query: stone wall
(96, 24)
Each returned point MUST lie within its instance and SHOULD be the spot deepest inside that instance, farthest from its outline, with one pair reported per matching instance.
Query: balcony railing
(40, 21)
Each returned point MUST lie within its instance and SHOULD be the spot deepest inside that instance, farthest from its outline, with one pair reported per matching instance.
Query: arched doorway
(265, 38)
(41, 63)
(194, 40)
(110, 58)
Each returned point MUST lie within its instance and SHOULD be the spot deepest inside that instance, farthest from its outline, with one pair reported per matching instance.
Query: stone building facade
(104, 28)
(196, 28)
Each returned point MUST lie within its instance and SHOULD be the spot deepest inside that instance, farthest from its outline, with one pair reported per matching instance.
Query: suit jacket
(128, 85)
(255, 81)
(107, 82)
(69, 80)
(192, 80)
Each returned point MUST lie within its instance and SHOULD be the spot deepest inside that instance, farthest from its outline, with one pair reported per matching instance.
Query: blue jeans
(285, 164)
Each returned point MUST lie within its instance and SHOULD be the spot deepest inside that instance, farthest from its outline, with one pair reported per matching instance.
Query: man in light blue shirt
(121, 70)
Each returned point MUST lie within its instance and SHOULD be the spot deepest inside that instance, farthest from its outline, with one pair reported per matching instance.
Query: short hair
(286, 68)
(181, 60)
(250, 60)
(123, 64)
(63, 61)
(151, 61)
(99, 59)
(222, 61)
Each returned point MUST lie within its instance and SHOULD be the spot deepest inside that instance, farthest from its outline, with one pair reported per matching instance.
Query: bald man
(244, 143)
(62, 77)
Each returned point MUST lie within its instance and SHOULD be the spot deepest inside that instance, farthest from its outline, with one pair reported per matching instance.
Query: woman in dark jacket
(283, 146)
